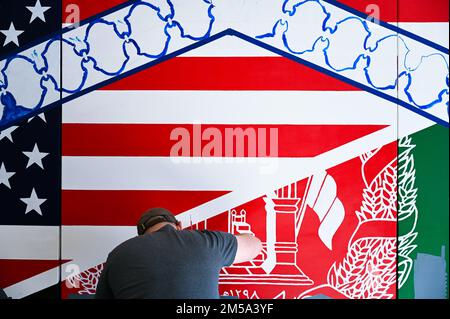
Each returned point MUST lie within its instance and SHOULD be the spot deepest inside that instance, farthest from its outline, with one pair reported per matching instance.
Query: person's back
(167, 263)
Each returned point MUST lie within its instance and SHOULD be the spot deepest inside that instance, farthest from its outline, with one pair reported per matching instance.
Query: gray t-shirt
(167, 264)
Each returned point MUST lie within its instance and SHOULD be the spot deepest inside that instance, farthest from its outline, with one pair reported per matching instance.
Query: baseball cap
(154, 216)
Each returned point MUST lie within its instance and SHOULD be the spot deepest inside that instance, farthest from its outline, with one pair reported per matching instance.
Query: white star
(40, 115)
(5, 176)
(33, 203)
(38, 11)
(7, 133)
(35, 157)
(11, 35)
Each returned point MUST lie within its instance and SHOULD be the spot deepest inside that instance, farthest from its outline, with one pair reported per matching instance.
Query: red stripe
(154, 139)
(123, 208)
(423, 11)
(230, 73)
(407, 10)
(86, 8)
(17, 270)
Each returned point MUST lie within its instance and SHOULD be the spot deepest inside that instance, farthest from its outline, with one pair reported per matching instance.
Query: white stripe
(437, 32)
(229, 47)
(88, 246)
(165, 173)
(33, 284)
(29, 242)
(226, 107)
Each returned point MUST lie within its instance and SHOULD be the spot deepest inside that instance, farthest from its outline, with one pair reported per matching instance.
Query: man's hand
(248, 247)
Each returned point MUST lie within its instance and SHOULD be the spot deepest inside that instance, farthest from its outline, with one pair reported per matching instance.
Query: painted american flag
(30, 162)
(114, 162)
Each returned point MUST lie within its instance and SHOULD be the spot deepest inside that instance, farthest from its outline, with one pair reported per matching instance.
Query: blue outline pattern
(13, 113)
(366, 54)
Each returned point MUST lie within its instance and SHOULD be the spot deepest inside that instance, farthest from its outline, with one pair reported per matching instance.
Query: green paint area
(431, 163)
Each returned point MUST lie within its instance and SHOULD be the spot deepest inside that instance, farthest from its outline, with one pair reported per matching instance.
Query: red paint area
(404, 10)
(154, 139)
(123, 208)
(17, 270)
(230, 73)
(86, 8)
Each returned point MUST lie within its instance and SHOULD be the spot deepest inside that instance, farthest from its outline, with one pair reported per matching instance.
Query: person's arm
(248, 247)
(232, 249)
